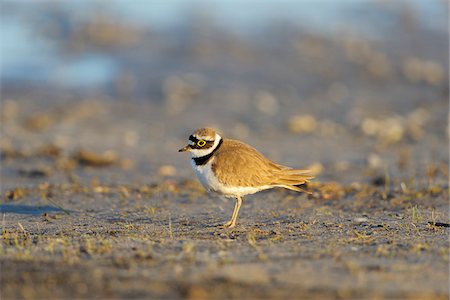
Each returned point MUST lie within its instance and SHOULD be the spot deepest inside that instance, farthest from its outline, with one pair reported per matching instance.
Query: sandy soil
(97, 203)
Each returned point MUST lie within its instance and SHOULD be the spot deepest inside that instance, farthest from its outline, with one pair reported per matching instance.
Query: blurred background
(351, 89)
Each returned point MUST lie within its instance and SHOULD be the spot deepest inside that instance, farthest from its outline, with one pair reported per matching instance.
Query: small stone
(315, 168)
(266, 103)
(93, 159)
(370, 126)
(374, 161)
(37, 172)
(302, 124)
(361, 220)
(392, 131)
(167, 170)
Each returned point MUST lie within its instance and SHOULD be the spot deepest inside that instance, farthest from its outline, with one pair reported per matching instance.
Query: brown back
(242, 165)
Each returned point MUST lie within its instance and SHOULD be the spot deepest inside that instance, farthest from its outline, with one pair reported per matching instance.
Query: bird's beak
(185, 148)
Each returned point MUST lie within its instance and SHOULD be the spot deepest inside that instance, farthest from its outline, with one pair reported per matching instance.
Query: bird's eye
(201, 143)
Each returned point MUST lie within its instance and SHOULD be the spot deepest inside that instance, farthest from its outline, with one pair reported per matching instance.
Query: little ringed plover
(234, 169)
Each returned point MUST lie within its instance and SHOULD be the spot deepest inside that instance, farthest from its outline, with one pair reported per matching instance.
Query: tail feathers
(291, 178)
(295, 188)
(297, 171)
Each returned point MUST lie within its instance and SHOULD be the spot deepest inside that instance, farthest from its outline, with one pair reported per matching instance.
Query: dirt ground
(98, 203)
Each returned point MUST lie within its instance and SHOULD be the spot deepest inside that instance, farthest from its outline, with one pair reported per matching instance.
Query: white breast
(206, 176)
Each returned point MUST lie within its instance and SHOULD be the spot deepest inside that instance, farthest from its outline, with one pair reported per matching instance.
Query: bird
(233, 169)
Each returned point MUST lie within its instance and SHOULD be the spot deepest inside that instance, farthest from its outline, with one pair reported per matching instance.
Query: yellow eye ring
(201, 143)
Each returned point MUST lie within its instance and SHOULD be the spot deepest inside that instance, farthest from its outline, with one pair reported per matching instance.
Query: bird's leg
(228, 224)
(237, 206)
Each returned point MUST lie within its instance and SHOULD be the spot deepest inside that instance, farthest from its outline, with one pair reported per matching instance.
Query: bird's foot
(228, 224)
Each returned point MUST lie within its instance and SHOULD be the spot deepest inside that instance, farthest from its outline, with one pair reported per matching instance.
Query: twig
(170, 228)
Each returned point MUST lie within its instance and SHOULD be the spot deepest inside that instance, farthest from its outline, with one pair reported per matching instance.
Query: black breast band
(203, 160)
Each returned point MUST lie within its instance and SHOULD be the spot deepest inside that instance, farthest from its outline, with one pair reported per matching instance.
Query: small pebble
(167, 170)
(266, 103)
(361, 220)
(374, 161)
(315, 168)
(302, 124)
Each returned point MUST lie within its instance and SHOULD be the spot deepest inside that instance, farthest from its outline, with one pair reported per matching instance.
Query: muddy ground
(98, 203)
